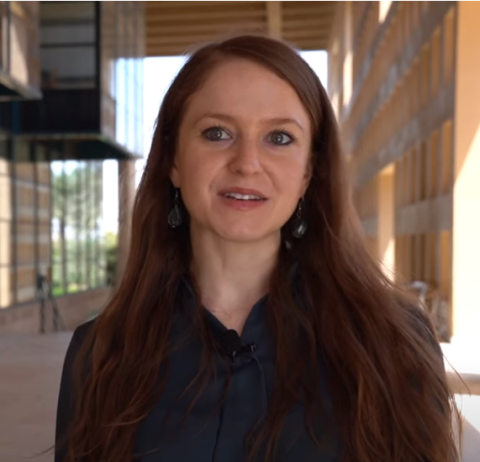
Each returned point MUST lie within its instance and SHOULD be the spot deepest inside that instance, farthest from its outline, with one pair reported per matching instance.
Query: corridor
(30, 368)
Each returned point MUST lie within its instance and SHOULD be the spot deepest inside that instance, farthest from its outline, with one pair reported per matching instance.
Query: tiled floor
(30, 368)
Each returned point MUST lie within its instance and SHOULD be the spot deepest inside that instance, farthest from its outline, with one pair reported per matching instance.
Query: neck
(232, 276)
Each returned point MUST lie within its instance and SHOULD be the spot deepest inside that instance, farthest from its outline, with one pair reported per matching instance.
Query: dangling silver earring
(300, 225)
(175, 218)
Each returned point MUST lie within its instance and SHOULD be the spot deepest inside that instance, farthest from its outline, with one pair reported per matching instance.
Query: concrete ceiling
(173, 28)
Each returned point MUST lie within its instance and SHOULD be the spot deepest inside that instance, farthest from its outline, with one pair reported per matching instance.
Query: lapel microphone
(232, 344)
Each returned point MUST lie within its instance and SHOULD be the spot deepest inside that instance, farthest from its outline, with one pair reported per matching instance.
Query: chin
(246, 235)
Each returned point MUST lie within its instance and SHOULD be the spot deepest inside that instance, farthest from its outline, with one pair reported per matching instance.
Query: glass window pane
(67, 11)
(59, 34)
(57, 286)
(69, 67)
(67, 48)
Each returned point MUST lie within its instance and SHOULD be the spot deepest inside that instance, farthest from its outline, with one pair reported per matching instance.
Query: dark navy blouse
(215, 429)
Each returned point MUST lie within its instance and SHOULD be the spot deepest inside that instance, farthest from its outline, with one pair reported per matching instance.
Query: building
(71, 97)
(403, 79)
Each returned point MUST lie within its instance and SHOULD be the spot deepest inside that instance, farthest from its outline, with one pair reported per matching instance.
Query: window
(79, 259)
(68, 44)
(121, 57)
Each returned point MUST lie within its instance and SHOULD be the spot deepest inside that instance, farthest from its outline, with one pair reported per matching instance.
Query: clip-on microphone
(232, 344)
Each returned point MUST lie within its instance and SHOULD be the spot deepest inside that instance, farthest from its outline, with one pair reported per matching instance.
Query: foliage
(82, 256)
(111, 245)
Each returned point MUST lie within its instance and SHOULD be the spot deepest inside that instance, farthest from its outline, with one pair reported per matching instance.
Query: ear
(307, 176)
(175, 176)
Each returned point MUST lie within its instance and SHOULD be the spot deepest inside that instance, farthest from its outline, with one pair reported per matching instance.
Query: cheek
(196, 175)
(196, 171)
(188, 163)
(291, 178)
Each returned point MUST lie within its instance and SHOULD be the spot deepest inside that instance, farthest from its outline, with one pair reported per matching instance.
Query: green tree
(74, 207)
(111, 244)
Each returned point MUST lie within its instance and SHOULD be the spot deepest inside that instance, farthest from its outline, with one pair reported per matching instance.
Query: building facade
(70, 98)
(402, 79)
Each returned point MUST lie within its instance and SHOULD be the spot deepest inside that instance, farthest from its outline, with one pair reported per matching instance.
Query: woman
(251, 323)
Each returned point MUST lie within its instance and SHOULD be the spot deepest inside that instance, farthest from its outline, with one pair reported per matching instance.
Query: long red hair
(386, 376)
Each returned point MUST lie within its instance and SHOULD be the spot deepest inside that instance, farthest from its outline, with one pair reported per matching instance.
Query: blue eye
(281, 138)
(215, 134)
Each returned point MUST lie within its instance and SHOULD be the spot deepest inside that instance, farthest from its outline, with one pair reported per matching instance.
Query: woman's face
(242, 162)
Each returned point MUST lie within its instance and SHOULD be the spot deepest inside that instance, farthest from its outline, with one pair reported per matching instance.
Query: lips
(243, 194)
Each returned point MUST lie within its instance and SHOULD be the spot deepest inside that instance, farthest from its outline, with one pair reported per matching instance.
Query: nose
(245, 157)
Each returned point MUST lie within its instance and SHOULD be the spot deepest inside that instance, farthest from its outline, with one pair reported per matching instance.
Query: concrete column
(274, 19)
(126, 191)
(466, 169)
(347, 55)
(386, 220)
(5, 234)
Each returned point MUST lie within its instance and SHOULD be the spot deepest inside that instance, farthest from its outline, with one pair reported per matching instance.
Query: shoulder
(83, 329)
(74, 354)
(78, 338)
(421, 323)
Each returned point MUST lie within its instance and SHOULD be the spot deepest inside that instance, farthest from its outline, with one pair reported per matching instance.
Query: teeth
(244, 197)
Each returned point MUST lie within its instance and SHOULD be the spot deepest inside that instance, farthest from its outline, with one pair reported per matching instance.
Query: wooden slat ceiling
(174, 28)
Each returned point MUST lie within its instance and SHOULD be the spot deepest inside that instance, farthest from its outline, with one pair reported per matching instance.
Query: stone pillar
(274, 19)
(347, 55)
(386, 220)
(466, 171)
(6, 245)
(126, 191)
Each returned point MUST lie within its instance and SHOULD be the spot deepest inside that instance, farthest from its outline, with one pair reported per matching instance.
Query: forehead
(243, 88)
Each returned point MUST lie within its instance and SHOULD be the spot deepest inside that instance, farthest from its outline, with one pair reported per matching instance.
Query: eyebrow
(274, 120)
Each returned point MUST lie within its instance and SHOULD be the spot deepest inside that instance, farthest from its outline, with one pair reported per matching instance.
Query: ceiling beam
(308, 10)
(319, 23)
(173, 28)
(165, 51)
(193, 4)
(305, 34)
(274, 19)
(200, 16)
(194, 29)
(185, 41)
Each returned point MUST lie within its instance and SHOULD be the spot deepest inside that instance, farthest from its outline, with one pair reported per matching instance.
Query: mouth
(243, 195)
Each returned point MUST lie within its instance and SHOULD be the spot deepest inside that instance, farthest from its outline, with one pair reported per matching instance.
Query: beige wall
(466, 190)
(28, 186)
(393, 81)
(386, 221)
(75, 309)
